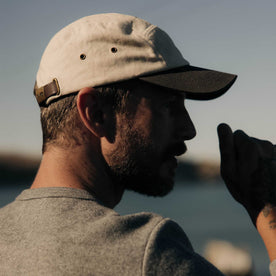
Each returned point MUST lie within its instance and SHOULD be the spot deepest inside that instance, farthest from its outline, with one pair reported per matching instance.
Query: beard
(136, 165)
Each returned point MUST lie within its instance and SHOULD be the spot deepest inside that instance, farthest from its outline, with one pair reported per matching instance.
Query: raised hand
(248, 168)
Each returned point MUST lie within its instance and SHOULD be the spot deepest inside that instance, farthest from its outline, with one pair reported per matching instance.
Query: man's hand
(248, 169)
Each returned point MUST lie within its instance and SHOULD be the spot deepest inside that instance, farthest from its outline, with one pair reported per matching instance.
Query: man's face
(148, 138)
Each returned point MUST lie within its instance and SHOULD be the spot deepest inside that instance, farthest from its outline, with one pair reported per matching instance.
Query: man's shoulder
(164, 247)
(148, 222)
(150, 230)
(134, 244)
(65, 206)
(135, 221)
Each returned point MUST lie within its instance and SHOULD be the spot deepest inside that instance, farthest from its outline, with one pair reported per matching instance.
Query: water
(204, 212)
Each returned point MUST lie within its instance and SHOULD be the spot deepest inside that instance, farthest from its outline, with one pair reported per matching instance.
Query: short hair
(60, 121)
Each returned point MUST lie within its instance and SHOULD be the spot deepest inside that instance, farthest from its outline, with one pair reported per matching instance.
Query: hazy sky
(237, 36)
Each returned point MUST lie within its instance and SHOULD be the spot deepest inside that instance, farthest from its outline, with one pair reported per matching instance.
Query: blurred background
(232, 36)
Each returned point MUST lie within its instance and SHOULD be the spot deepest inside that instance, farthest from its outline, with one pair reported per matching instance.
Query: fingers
(245, 147)
(247, 153)
(250, 151)
(228, 159)
(248, 167)
(265, 148)
(239, 159)
(227, 150)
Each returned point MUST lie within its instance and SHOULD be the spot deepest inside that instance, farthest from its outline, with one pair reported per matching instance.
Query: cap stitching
(145, 37)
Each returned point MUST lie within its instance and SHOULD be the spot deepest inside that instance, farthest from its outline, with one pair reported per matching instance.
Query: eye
(169, 103)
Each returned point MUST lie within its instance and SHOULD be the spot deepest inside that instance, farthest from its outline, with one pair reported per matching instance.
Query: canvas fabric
(116, 47)
(103, 49)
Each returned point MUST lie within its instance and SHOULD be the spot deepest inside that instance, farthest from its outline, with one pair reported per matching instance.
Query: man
(111, 89)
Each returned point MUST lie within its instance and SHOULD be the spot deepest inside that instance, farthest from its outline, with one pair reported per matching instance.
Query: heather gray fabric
(64, 231)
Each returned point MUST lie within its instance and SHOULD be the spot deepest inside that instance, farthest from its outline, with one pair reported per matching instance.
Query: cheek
(163, 129)
(143, 120)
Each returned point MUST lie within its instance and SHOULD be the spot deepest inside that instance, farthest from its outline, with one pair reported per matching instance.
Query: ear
(92, 111)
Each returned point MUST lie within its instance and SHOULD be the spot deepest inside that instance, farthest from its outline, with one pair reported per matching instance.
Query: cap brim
(197, 83)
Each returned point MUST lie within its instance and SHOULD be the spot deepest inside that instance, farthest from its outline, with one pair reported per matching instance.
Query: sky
(237, 36)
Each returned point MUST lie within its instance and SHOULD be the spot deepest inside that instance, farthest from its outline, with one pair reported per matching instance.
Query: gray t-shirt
(66, 231)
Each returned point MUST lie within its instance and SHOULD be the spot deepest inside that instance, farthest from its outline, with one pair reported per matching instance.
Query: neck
(75, 168)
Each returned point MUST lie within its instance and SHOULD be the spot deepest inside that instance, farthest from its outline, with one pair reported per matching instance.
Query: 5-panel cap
(103, 49)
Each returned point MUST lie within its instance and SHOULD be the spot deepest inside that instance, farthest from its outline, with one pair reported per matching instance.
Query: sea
(206, 212)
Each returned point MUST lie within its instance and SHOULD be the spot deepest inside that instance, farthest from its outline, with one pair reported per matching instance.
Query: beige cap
(106, 48)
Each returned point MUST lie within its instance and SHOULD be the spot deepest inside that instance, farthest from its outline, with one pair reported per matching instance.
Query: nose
(185, 125)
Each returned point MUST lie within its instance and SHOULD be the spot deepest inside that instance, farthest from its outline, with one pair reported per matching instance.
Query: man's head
(131, 112)
(138, 128)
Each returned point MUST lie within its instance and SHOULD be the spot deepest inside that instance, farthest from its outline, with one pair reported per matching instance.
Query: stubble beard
(135, 165)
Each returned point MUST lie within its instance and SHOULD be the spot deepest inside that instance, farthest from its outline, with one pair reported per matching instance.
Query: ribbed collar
(55, 192)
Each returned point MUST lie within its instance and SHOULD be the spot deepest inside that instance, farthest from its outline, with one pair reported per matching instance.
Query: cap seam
(145, 37)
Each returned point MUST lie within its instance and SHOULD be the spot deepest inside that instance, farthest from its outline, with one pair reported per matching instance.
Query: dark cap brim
(197, 83)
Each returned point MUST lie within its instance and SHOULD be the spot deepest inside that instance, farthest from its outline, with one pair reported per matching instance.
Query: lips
(175, 150)
(178, 149)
